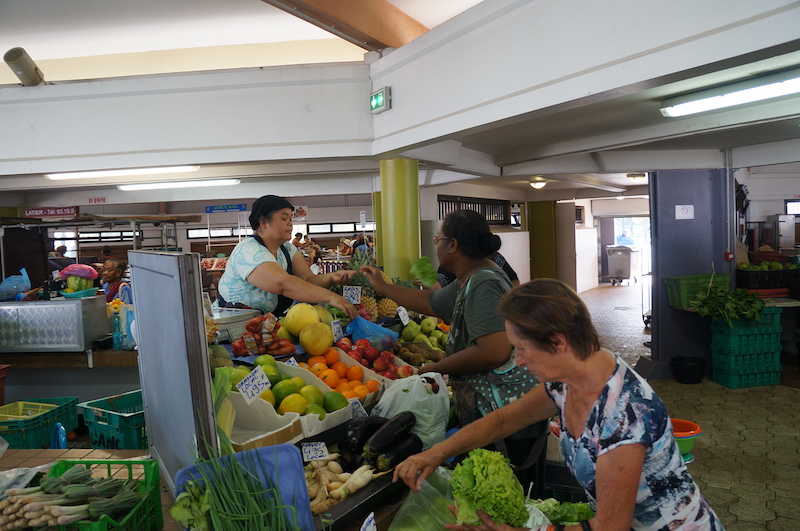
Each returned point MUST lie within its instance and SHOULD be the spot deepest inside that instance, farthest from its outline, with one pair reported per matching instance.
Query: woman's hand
(342, 276)
(416, 468)
(487, 525)
(337, 301)
(375, 277)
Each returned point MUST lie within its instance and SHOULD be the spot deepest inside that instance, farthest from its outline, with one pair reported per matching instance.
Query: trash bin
(623, 263)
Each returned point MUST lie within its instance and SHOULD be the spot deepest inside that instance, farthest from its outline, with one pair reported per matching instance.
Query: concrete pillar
(400, 214)
(377, 217)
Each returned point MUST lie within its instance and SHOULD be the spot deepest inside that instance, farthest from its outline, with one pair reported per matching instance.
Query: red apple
(364, 343)
(371, 353)
(388, 374)
(365, 362)
(344, 344)
(355, 355)
(387, 354)
(380, 364)
(392, 367)
(404, 371)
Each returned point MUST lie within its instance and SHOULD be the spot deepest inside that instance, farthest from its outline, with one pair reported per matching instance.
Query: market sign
(241, 207)
(45, 212)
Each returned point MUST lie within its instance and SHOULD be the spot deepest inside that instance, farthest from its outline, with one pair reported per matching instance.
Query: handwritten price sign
(314, 450)
(352, 293)
(253, 384)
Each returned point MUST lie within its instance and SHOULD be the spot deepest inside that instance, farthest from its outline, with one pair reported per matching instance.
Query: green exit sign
(380, 100)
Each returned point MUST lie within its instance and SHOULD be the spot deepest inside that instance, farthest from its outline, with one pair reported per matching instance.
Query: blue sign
(241, 207)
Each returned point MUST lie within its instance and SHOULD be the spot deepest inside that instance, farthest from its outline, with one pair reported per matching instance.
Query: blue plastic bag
(380, 337)
(14, 285)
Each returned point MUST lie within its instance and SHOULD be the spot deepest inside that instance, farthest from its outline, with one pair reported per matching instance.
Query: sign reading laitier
(49, 212)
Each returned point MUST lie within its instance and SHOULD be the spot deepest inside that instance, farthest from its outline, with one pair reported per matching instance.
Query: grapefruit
(283, 389)
(299, 316)
(293, 402)
(269, 396)
(299, 381)
(316, 338)
(324, 315)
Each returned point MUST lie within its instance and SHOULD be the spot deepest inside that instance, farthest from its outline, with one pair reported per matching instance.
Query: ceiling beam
(369, 24)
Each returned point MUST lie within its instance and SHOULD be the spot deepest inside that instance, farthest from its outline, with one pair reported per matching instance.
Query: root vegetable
(344, 476)
(322, 506)
(360, 478)
(320, 463)
(333, 485)
(335, 467)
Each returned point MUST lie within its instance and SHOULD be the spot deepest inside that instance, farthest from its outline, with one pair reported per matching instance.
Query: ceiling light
(177, 184)
(637, 177)
(538, 185)
(120, 173)
(750, 91)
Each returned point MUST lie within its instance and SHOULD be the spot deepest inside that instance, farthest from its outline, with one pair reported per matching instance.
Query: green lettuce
(422, 268)
(563, 512)
(485, 481)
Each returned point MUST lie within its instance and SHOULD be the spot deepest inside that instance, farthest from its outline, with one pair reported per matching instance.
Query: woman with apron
(267, 273)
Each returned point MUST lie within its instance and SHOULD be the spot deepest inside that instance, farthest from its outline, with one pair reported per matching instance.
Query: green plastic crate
(682, 290)
(37, 431)
(744, 363)
(745, 341)
(752, 379)
(767, 318)
(116, 422)
(147, 515)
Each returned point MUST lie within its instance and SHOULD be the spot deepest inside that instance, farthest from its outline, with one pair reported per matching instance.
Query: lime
(333, 401)
(314, 409)
(313, 395)
(283, 389)
(239, 374)
(299, 381)
(293, 402)
(266, 359)
(272, 374)
(269, 396)
(286, 377)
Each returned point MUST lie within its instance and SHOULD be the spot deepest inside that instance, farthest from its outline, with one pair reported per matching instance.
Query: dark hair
(470, 228)
(61, 249)
(298, 234)
(543, 307)
(264, 206)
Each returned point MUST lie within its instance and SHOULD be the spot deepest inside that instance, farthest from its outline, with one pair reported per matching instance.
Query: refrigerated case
(784, 231)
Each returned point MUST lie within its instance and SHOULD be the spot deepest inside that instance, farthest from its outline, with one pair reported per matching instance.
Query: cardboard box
(258, 424)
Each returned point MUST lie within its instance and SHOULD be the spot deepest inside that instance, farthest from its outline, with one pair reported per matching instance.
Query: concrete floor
(747, 460)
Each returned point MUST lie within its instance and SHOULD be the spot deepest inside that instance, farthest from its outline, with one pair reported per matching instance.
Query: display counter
(56, 325)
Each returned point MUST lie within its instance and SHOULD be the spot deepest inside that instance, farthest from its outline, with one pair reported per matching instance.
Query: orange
(316, 359)
(361, 391)
(317, 368)
(331, 356)
(355, 372)
(330, 377)
(349, 394)
(341, 369)
(304, 365)
(342, 386)
(372, 385)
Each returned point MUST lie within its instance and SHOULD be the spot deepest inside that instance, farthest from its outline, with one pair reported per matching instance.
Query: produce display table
(89, 359)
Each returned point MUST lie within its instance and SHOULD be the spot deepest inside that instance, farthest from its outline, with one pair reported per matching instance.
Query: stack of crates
(747, 353)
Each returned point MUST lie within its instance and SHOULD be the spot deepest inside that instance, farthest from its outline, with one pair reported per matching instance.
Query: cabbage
(422, 269)
(485, 481)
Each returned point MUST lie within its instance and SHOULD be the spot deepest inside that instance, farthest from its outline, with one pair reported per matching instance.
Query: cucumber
(395, 429)
(358, 430)
(397, 453)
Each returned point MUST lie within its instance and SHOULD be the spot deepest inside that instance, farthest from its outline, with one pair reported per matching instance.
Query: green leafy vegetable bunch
(485, 481)
(563, 512)
(727, 305)
(422, 268)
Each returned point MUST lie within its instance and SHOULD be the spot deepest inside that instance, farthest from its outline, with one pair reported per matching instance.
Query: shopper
(268, 273)
(445, 277)
(297, 240)
(478, 352)
(616, 436)
(111, 274)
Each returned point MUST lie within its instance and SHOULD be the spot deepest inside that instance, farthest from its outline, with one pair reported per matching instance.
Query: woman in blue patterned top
(616, 436)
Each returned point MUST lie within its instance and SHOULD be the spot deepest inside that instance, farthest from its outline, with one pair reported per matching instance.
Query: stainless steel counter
(60, 324)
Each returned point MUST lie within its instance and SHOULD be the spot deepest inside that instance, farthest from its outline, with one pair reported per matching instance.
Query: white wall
(586, 273)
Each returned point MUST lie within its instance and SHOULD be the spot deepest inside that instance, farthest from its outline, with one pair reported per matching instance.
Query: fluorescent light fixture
(177, 184)
(120, 173)
(750, 91)
(637, 178)
(538, 185)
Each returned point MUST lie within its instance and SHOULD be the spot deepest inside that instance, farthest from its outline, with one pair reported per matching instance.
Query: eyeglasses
(437, 239)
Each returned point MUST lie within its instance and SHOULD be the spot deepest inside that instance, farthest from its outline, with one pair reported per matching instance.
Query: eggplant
(359, 430)
(393, 431)
(397, 453)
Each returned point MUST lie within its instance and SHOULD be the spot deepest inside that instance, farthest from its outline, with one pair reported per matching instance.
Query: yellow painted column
(377, 216)
(400, 215)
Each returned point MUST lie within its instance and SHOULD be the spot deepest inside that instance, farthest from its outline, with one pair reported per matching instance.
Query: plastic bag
(426, 396)
(427, 509)
(380, 337)
(13, 285)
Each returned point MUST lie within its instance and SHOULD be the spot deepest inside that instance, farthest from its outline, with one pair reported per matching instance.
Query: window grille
(496, 211)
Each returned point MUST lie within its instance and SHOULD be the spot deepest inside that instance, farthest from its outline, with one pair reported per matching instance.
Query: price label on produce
(352, 293)
(314, 450)
(402, 313)
(253, 384)
(357, 409)
(292, 362)
(336, 326)
(369, 523)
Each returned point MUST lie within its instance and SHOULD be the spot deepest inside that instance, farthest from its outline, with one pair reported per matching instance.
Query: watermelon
(79, 284)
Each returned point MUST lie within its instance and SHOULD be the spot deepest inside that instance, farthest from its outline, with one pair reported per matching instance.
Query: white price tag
(292, 362)
(314, 450)
(369, 523)
(357, 408)
(253, 384)
(402, 313)
(336, 326)
(352, 293)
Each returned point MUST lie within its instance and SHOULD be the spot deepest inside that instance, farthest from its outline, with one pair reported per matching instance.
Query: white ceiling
(56, 30)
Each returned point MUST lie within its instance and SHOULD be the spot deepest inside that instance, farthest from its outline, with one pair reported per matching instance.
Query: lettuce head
(422, 268)
(485, 481)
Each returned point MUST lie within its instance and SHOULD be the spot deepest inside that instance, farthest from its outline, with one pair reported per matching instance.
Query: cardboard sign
(352, 293)
(253, 384)
(314, 450)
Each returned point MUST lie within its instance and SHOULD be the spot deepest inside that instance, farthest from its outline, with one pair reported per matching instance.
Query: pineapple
(387, 307)
(369, 304)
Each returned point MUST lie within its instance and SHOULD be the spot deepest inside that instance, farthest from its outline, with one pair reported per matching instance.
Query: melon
(79, 284)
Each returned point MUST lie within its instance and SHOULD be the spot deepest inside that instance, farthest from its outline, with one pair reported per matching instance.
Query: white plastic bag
(425, 395)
